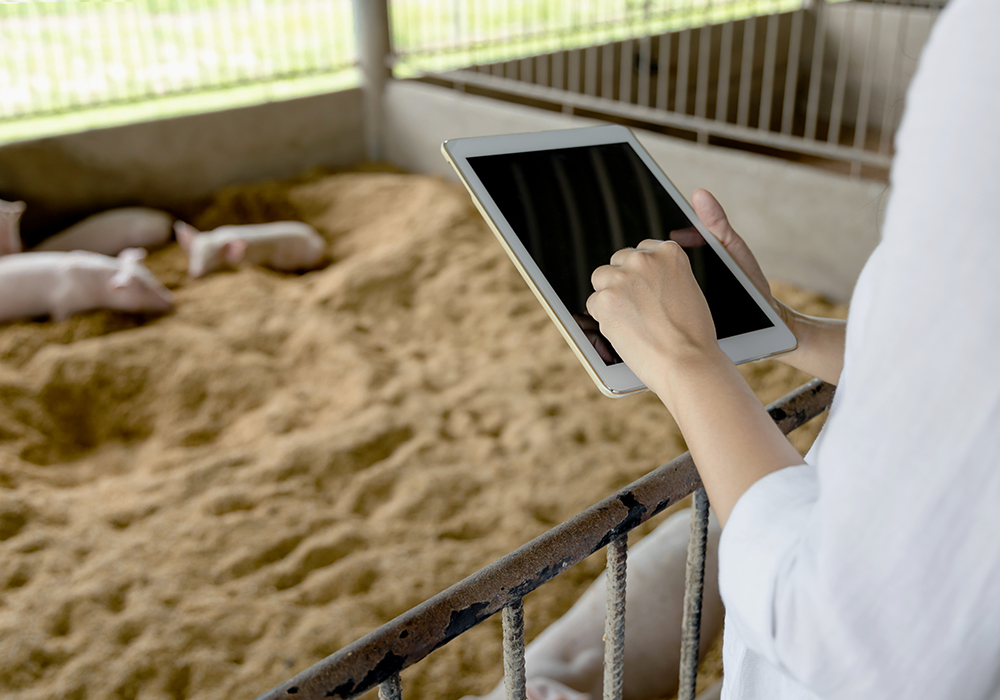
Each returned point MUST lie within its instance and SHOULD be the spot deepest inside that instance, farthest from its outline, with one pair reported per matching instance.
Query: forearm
(731, 437)
(820, 351)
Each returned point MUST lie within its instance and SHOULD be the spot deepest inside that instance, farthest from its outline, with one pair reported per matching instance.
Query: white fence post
(374, 39)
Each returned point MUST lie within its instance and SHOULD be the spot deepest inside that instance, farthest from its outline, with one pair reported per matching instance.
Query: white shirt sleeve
(875, 572)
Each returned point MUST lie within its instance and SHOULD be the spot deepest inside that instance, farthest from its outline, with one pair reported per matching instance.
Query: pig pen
(204, 503)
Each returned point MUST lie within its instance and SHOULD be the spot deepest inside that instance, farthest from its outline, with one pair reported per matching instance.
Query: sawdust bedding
(202, 504)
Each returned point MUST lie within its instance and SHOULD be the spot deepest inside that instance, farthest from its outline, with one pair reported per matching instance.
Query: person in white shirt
(870, 569)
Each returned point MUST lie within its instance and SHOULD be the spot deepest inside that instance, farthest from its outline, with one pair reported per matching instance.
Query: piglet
(10, 229)
(113, 231)
(283, 245)
(62, 284)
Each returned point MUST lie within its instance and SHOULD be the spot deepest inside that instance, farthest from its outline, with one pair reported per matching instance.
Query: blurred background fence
(819, 80)
(62, 56)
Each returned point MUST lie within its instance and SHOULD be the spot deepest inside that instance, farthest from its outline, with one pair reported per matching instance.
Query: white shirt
(874, 571)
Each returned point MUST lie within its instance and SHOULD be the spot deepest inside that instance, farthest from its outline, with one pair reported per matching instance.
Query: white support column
(374, 40)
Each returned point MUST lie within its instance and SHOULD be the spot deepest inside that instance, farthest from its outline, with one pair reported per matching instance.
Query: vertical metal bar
(885, 137)
(280, 38)
(590, 71)
(390, 689)
(625, 83)
(16, 57)
(725, 64)
(746, 71)
(694, 586)
(867, 78)
(663, 63)
(510, 69)
(262, 45)
(514, 680)
(840, 81)
(189, 50)
(608, 71)
(792, 74)
(614, 619)
(374, 50)
(770, 61)
(816, 73)
(683, 61)
(525, 70)
(573, 79)
(645, 60)
(704, 59)
(228, 43)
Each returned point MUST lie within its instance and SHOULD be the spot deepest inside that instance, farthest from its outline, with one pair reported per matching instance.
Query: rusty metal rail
(377, 658)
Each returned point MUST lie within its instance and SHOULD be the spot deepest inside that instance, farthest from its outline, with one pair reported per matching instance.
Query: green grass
(72, 65)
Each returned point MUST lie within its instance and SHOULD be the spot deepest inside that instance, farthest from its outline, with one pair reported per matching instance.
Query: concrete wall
(807, 226)
(168, 162)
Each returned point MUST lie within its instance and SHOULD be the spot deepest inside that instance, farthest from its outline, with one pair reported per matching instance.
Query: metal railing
(439, 34)
(65, 56)
(377, 659)
(826, 80)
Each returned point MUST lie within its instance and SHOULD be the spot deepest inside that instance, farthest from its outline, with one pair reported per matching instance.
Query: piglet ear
(185, 234)
(235, 250)
(132, 255)
(18, 207)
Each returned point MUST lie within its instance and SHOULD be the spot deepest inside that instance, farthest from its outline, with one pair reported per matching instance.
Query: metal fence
(378, 658)
(825, 81)
(822, 81)
(438, 34)
(64, 56)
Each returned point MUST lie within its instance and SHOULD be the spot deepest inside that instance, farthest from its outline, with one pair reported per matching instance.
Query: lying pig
(10, 229)
(62, 284)
(113, 231)
(287, 246)
(566, 661)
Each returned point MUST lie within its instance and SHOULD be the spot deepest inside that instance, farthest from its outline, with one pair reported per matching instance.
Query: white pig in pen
(10, 230)
(112, 231)
(286, 246)
(62, 284)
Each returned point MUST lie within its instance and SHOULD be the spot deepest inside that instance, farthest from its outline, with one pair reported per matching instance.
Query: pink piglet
(60, 284)
(287, 246)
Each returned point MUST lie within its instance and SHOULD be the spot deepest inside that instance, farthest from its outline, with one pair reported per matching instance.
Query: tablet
(562, 202)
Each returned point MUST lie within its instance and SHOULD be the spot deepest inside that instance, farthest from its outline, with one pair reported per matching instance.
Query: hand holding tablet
(562, 203)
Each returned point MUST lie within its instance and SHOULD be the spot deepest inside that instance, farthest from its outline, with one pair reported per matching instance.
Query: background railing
(441, 34)
(64, 56)
(817, 81)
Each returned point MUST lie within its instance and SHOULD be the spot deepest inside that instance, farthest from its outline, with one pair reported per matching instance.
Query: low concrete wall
(806, 226)
(167, 162)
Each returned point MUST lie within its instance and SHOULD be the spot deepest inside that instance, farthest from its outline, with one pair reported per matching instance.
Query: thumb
(713, 216)
(711, 213)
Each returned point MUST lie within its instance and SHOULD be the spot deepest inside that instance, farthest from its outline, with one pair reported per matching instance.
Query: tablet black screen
(573, 207)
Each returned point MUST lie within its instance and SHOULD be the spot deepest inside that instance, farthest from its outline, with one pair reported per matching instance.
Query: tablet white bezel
(613, 380)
